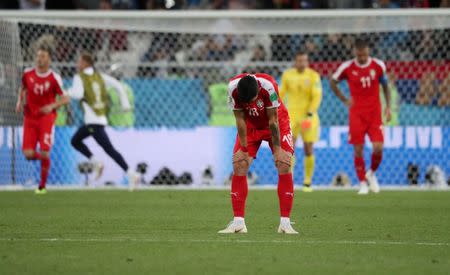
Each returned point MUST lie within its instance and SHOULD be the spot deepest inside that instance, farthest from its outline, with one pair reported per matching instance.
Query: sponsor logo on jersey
(355, 73)
(31, 79)
(259, 103)
(306, 82)
(372, 73)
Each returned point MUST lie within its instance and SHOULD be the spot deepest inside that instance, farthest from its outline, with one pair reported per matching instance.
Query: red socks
(45, 167)
(360, 167)
(239, 191)
(285, 194)
(37, 156)
(376, 160)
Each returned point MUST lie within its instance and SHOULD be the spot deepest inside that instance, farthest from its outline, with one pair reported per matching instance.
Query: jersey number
(98, 104)
(39, 89)
(365, 81)
(253, 112)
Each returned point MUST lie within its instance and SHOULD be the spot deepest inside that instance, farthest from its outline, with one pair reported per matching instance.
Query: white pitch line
(343, 242)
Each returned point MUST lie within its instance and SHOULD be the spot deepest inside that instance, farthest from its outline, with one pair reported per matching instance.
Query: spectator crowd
(218, 4)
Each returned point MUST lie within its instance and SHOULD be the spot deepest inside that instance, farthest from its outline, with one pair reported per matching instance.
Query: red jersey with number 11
(41, 90)
(363, 82)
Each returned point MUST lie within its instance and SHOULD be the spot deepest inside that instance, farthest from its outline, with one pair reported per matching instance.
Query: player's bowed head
(247, 89)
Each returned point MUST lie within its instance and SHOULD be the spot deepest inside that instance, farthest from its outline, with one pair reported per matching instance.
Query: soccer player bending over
(40, 85)
(364, 75)
(89, 86)
(260, 116)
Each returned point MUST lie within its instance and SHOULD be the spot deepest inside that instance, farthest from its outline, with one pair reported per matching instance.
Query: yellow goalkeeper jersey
(302, 92)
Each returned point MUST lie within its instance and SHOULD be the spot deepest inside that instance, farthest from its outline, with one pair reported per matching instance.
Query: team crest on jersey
(306, 82)
(31, 80)
(355, 73)
(372, 73)
(259, 103)
(46, 85)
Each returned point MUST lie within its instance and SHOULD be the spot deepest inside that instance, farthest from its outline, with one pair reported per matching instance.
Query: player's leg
(310, 136)
(30, 139)
(239, 187)
(77, 142)
(102, 138)
(285, 188)
(357, 131)
(308, 163)
(376, 137)
(46, 134)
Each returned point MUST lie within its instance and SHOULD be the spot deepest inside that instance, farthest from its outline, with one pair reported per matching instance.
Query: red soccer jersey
(268, 97)
(363, 82)
(41, 90)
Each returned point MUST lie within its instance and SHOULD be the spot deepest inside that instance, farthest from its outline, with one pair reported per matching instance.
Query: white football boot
(98, 169)
(372, 181)
(133, 179)
(286, 227)
(364, 189)
(237, 225)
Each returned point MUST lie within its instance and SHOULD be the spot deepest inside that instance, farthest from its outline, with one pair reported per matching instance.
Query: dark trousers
(98, 133)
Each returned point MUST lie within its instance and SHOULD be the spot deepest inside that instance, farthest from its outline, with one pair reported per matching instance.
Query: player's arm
(241, 127)
(316, 96)
(242, 154)
(272, 115)
(386, 92)
(316, 99)
(280, 156)
(338, 92)
(20, 99)
(64, 99)
(118, 87)
(21, 95)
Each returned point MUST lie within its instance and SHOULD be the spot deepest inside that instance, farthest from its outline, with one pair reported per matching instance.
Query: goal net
(175, 67)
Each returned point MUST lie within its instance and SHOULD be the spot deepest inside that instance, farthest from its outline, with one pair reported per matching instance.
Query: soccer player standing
(89, 86)
(260, 116)
(40, 86)
(364, 75)
(302, 87)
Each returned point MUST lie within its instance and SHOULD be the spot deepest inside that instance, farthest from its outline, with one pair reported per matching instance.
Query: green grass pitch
(174, 232)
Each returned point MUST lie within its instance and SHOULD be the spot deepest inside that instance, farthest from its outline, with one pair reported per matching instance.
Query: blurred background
(175, 69)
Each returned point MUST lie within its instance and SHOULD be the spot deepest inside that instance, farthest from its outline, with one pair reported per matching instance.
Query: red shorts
(39, 129)
(255, 137)
(362, 124)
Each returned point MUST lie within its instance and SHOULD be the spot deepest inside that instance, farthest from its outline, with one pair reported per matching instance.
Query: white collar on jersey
(89, 70)
(47, 73)
(363, 65)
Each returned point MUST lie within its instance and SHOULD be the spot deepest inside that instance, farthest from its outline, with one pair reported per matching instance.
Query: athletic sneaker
(235, 226)
(98, 169)
(373, 181)
(42, 191)
(286, 228)
(133, 179)
(363, 190)
(307, 189)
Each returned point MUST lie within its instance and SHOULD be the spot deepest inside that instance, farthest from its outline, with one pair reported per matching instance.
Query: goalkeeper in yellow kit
(301, 89)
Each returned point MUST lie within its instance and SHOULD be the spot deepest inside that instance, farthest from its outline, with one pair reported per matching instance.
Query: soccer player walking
(260, 116)
(89, 86)
(364, 75)
(302, 87)
(40, 86)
